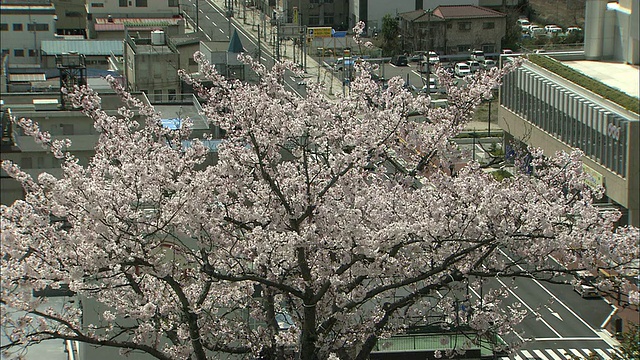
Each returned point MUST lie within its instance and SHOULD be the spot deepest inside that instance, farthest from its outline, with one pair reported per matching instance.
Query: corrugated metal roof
(465, 11)
(26, 77)
(85, 47)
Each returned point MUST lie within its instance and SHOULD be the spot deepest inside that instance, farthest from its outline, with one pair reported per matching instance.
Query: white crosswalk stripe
(560, 354)
(553, 355)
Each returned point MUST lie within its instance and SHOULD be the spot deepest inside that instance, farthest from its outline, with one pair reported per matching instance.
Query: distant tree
(390, 33)
(630, 344)
(324, 226)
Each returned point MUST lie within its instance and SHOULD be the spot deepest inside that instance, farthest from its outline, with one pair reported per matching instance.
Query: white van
(462, 69)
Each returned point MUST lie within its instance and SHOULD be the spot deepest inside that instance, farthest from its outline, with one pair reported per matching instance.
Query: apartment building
(23, 26)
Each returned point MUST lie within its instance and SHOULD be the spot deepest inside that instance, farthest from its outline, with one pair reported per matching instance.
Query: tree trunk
(309, 336)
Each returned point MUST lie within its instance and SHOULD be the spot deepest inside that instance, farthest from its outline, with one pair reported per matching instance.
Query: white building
(132, 8)
(611, 31)
(23, 26)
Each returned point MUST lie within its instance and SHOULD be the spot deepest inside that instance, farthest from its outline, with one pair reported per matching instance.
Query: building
(96, 52)
(151, 65)
(72, 17)
(453, 29)
(331, 13)
(540, 108)
(23, 25)
(132, 8)
(109, 28)
(611, 31)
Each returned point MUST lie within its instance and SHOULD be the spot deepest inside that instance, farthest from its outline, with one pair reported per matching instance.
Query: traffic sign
(319, 32)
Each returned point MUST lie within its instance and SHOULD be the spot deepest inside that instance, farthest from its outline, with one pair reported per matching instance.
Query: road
(559, 324)
(213, 22)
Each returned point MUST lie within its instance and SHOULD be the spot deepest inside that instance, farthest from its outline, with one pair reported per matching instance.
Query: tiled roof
(465, 11)
(86, 47)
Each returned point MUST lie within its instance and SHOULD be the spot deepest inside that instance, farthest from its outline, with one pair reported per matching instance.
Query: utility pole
(197, 16)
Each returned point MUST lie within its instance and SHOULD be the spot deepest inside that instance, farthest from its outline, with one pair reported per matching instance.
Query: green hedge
(628, 102)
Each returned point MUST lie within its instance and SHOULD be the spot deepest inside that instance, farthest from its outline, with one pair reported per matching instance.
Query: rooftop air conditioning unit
(45, 104)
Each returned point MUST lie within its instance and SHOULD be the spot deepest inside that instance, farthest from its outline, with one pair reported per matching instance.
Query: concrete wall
(25, 39)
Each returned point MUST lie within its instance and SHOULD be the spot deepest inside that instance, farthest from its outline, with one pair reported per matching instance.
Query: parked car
(571, 29)
(553, 30)
(474, 65)
(583, 285)
(462, 69)
(523, 22)
(507, 51)
(400, 60)
(477, 55)
(536, 30)
(488, 64)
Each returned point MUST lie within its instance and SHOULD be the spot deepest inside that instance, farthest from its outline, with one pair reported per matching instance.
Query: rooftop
(86, 47)
(623, 77)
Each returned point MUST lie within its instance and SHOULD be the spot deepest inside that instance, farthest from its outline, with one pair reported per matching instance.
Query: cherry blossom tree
(323, 226)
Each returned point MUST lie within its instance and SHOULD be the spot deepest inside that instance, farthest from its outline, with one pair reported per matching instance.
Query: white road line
(207, 16)
(603, 354)
(517, 357)
(577, 353)
(553, 296)
(526, 354)
(540, 354)
(554, 355)
(538, 317)
(222, 31)
(569, 339)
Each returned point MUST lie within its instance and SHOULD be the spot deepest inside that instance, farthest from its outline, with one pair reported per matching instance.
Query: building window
(17, 27)
(123, 3)
(464, 48)
(464, 26)
(73, 14)
(97, 4)
(314, 20)
(173, 3)
(172, 94)
(18, 52)
(5, 52)
(489, 25)
(33, 52)
(449, 26)
(141, 3)
(314, 1)
(38, 27)
(328, 19)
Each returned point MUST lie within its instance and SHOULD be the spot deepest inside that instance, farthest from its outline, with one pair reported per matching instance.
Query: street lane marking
(569, 339)
(222, 31)
(552, 295)
(207, 16)
(553, 354)
(576, 353)
(603, 354)
(527, 354)
(540, 354)
(553, 312)
(538, 317)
